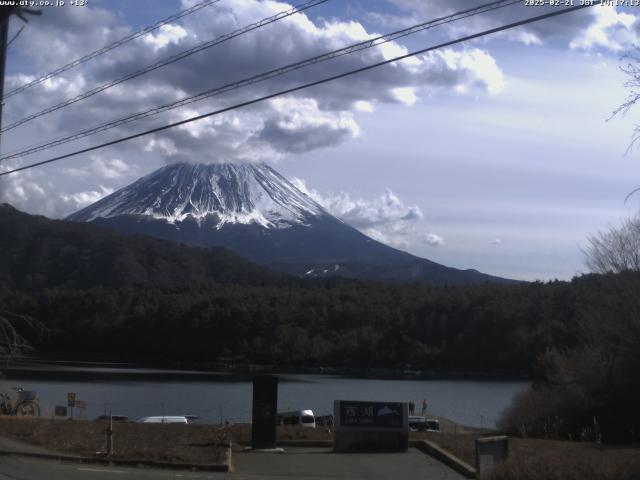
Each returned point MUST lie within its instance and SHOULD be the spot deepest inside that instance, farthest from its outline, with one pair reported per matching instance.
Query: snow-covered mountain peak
(227, 193)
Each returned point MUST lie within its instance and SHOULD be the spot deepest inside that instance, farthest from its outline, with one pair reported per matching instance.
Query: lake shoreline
(65, 368)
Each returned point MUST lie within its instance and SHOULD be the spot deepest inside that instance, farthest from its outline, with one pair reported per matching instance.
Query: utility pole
(5, 14)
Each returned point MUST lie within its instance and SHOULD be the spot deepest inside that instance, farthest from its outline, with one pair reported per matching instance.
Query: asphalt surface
(295, 463)
(304, 463)
(323, 464)
(22, 468)
(8, 445)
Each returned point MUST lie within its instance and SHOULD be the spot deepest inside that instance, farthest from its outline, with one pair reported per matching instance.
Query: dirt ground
(199, 444)
(193, 443)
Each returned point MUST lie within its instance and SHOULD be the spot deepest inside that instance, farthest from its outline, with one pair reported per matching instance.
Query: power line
(15, 36)
(108, 48)
(167, 61)
(262, 77)
(304, 86)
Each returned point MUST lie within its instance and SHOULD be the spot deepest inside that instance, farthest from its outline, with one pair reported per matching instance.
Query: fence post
(109, 432)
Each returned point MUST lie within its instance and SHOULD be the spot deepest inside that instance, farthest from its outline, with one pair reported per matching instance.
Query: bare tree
(616, 250)
(632, 70)
(12, 330)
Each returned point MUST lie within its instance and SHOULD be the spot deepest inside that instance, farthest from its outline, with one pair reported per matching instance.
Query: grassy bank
(537, 459)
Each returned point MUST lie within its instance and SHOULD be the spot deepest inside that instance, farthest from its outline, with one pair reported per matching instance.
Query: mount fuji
(257, 213)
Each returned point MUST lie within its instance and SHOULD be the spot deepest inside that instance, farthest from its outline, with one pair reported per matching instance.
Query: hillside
(36, 253)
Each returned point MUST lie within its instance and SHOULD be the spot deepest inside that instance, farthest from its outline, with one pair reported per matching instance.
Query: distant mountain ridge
(38, 253)
(257, 213)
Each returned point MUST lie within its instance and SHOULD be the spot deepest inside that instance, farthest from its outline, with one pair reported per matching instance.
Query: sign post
(71, 402)
(265, 404)
(81, 408)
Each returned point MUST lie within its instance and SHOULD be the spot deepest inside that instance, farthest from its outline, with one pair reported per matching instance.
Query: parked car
(422, 424)
(433, 425)
(302, 418)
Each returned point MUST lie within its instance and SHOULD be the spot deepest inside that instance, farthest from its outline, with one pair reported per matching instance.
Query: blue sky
(494, 154)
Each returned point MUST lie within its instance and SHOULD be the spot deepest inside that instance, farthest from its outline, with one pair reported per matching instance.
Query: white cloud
(479, 67)
(611, 30)
(298, 125)
(30, 192)
(313, 119)
(528, 38)
(496, 241)
(433, 239)
(103, 168)
(110, 168)
(364, 106)
(385, 218)
(40, 191)
(406, 95)
(82, 199)
(605, 27)
(163, 146)
(167, 34)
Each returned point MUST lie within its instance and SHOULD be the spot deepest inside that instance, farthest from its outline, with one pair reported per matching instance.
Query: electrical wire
(167, 61)
(304, 86)
(110, 47)
(262, 77)
(13, 39)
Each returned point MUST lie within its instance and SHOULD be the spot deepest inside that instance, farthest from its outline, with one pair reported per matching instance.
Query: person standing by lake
(424, 407)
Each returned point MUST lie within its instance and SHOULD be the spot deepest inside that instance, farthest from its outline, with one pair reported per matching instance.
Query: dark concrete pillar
(265, 404)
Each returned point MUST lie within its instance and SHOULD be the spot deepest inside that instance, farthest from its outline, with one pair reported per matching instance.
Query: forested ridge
(137, 297)
(37, 252)
(484, 328)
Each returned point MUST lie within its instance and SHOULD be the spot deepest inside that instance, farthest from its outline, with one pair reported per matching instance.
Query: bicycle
(25, 405)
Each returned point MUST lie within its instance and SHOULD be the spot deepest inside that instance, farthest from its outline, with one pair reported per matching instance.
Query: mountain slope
(257, 213)
(37, 253)
(231, 194)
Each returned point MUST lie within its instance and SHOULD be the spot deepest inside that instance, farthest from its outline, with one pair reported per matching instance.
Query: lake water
(476, 403)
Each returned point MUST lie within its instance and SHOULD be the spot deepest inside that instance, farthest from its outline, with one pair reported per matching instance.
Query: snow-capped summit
(222, 193)
(256, 212)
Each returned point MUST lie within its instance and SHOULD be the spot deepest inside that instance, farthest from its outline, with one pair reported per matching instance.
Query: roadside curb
(211, 467)
(445, 457)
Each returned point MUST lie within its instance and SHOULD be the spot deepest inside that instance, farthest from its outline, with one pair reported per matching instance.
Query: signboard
(80, 404)
(60, 411)
(371, 426)
(71, 399)
(375, 415)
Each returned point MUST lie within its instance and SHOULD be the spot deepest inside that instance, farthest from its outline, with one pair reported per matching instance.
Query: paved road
(323, 464)
(9, 445)
(22, 468)
(295, 463)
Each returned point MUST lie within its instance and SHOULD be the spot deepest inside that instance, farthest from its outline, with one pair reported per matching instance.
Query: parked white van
(302, 418)
(163, 419)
